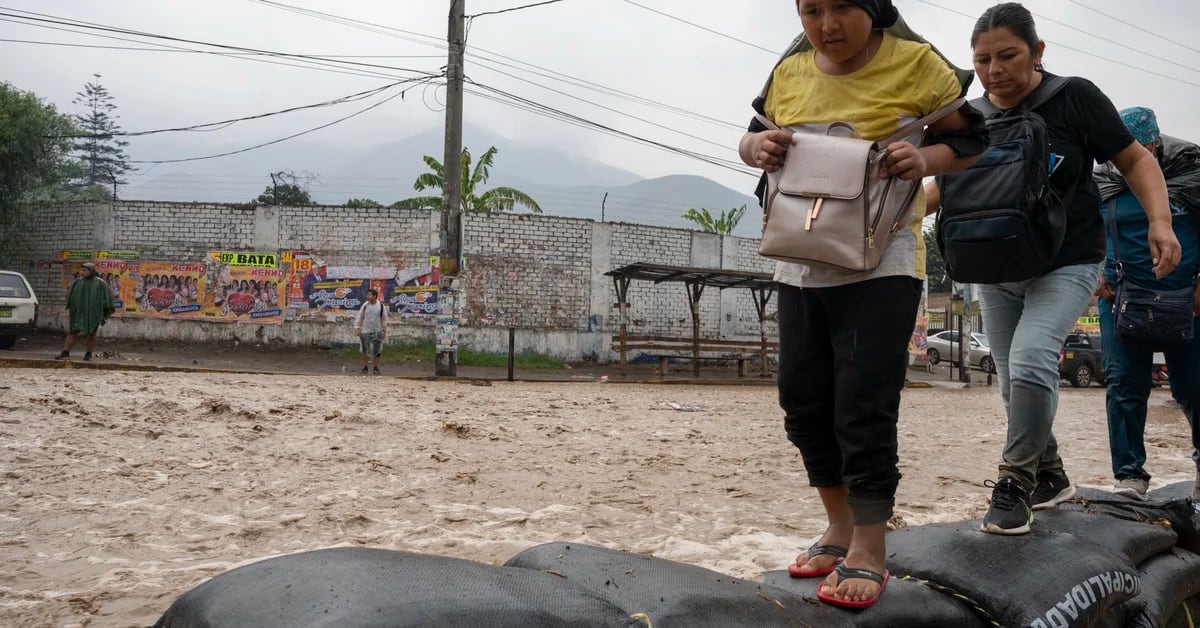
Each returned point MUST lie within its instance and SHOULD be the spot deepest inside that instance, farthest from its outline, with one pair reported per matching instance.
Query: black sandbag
(1187, 615)
(1179, 513)
(1173, 491)
(1041, 579)
(1135, 540)
(372, 588)
(1167, 581)
(903, 603)
(671, 594)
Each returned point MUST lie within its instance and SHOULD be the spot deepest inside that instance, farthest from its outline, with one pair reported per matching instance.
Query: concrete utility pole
(446, 338)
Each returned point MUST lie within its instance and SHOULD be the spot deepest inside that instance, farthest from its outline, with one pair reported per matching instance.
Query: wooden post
(695, 290)
(622, 286)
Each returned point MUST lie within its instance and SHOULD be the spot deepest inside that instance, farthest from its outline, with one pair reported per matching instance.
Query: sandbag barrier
(1098, 561)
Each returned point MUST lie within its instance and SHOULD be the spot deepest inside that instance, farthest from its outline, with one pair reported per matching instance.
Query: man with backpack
(370, 325)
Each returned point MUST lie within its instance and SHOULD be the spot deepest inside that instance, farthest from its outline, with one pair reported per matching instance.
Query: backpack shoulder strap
(1049, 88)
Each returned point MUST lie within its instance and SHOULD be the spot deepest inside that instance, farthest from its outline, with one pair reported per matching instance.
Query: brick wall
(527, 271)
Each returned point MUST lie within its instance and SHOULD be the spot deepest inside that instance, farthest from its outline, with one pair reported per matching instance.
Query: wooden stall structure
(761, 286)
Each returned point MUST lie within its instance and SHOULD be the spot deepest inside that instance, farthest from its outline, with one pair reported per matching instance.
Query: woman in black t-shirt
(1027, 321)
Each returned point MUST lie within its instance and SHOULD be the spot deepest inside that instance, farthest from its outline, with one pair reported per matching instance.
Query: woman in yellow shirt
(843, 334)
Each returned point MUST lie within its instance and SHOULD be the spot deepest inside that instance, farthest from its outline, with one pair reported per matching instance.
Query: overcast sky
(610, 43)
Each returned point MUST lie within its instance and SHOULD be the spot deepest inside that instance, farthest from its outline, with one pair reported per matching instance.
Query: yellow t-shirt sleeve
(939, 85)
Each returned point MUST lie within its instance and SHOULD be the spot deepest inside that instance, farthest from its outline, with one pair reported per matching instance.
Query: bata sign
(256, 260)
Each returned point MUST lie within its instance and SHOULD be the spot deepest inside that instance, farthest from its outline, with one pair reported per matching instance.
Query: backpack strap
(902, 133)
(1049, 88)
(1115, 237)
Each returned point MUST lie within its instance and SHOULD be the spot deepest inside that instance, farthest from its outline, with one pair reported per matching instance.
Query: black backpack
(1000, 220)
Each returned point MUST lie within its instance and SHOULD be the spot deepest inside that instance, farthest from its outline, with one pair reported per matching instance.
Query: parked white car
(945, 346)
(18, 307)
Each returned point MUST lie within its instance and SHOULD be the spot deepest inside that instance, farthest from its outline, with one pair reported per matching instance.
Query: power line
(435, 42)
(703, 28)
(1111, 42)
(283, 139)
(227, 123)
(193, 51)
(1074, 49)
(526, 104)
(616, 111)
(322, 67)
(527, 6)
(596, 87)
(50, 19)
(1135, 26)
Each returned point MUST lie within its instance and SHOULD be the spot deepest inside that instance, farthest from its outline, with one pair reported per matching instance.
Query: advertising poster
(244, 288)
(166, 289)
(111, 266)
(413, 290)
(316, 289)
(918, 344)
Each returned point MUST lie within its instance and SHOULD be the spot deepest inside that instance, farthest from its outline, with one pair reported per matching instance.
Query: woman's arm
(933, 198)
(1145, 178)
(911, 163)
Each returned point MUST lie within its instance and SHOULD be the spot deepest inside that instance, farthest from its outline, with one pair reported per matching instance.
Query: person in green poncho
(89, 303)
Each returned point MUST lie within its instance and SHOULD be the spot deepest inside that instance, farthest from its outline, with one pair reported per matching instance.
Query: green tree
(935, 266)
(363, 202)
(99, 147)
(723, 224)
(35, 162)
(499, 199)
(287, 188)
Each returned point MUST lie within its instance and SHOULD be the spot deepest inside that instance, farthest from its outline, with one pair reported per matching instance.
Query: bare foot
(867, 551)
(852, 589)
(834, 536)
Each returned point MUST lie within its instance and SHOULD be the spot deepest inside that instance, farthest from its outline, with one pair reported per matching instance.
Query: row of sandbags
(1100, 560)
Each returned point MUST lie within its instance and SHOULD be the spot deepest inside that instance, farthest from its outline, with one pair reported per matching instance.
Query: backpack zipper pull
(812, 213)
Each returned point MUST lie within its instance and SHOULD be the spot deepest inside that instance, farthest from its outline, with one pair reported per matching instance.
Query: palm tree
(723, 224)
(499, 199)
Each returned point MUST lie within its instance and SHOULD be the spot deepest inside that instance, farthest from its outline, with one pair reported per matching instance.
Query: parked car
(1080, 360)
(18, 307)
(944, 345)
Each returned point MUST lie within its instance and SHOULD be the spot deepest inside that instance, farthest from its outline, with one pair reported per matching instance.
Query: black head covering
(883, 13)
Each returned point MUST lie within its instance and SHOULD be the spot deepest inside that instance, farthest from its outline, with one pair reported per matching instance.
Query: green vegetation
(425, 351)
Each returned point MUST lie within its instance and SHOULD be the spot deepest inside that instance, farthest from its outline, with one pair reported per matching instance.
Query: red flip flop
(796, 571)
(845, 573)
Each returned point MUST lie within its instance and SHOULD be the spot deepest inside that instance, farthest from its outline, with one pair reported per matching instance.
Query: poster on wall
(166, 289)
(315, 288)
(413, 290)
(244, 288)
(918, 344)
(111, 267)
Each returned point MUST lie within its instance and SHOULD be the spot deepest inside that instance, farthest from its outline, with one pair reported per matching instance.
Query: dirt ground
(121, 490)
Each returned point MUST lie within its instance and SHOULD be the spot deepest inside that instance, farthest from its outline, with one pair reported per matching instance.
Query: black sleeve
(1106, 133)
(969, 140)
(760, 190)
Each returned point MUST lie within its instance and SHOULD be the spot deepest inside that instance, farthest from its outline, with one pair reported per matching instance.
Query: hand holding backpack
(1000, 220)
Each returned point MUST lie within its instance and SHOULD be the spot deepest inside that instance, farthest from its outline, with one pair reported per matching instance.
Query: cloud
(609, 43)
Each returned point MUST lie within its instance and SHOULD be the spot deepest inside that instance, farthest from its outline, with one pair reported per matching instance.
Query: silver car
(945, 345)
(18, 307)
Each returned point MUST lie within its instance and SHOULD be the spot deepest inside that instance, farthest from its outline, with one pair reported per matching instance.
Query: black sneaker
(1009, 513)
(87, 356)
(63, 355)
(1053, 488)
(365, 371)
(376, 371)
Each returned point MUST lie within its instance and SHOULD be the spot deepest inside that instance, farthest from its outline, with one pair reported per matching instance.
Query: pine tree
(100, 149)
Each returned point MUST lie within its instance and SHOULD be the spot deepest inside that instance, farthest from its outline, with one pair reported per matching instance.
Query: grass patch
(425, 351)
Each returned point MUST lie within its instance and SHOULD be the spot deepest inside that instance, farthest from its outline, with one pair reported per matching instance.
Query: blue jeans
(1026, 324)
(1127, 372)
